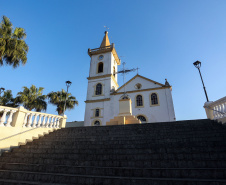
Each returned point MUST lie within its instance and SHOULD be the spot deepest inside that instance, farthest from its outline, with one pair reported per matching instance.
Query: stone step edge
(142, 160)
(118, 153)
(27, 182)
(119, 177)
(31, 164)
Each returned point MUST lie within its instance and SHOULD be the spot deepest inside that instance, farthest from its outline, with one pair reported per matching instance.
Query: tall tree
(13, 48)
(32, 98)
(58, 99)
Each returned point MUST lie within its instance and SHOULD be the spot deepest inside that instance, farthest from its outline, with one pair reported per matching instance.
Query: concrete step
(103, 146)
(201, 173)
(17, 182)
(153, 150)
(155, 163)
(177, 153)
(165, 137)
(115, 156)
(108, 180)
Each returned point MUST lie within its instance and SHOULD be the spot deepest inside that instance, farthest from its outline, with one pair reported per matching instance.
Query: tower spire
(105, 41)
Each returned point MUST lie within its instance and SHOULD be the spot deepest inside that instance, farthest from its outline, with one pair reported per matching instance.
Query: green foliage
(13, 48)
(7, 99)
(32, 98)
(58, 99)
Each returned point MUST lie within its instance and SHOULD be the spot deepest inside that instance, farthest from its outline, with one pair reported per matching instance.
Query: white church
(145, 101)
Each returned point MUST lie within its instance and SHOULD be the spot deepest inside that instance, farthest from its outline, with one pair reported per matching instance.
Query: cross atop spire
(105, 41)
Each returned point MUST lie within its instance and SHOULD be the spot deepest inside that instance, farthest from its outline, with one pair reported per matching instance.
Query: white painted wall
(107, 84)
(161, 113)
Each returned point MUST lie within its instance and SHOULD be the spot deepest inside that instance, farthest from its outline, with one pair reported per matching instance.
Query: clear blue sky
(163, 38)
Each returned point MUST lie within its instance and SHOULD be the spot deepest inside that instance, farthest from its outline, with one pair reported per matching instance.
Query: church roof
(104, 48)
(105, 41)
(160, 85)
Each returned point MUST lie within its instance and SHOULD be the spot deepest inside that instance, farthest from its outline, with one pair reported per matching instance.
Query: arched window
(139, 100)
(98, 89)
(142, 119)
(97, 112)
(96, 123)
(154, 99)
(100, 67)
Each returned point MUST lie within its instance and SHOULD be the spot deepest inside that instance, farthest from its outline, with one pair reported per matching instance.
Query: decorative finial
(166, 83)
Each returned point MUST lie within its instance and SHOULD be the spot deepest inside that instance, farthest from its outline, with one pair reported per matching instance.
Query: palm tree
(58, 99)
(7, 99)
(32, 98)
(13, 48)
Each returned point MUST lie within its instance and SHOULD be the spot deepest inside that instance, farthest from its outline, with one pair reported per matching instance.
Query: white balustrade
(29, 118)
(58, 123)
(43, 121)
(55, 122)
(25, 119)
(10, 118)
(47, 122)
(40, 120)
(218, 107)
(35, 121)
(7, 115)
(51, 122)
(2, 120)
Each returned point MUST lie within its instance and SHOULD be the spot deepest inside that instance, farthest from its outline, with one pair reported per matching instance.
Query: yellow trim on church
(116, 83)
(97, 77)
(100, 100)
(104, 76)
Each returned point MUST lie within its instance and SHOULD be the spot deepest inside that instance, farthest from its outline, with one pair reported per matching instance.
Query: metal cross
(137, 69)
(124, 71)
(107, 28)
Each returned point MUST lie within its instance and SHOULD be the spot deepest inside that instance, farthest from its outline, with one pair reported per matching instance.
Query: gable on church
(138, 83)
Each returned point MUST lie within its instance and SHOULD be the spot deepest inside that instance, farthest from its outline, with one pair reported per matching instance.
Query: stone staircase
(176, 153)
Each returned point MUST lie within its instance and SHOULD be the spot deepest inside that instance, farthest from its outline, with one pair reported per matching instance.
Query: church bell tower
(102, 81)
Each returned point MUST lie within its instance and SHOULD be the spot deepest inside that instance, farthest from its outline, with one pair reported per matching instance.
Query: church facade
(151, 101)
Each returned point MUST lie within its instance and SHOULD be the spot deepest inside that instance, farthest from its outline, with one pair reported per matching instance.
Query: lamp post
(197, 64)
(68, 84)
(1, 90)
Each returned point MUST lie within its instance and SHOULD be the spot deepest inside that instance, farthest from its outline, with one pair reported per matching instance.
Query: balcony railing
(102, 48)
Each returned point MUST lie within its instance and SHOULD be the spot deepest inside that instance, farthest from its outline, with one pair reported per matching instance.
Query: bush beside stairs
(175, 153)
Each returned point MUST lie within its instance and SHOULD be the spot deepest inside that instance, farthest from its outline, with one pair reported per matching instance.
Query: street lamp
(68, 84)
(197, 64)
(1, 90)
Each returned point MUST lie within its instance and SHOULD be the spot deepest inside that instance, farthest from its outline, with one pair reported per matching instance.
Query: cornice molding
(97, 77)
(141, 90)
(100, 50)
(104, 76)
(100, 100)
